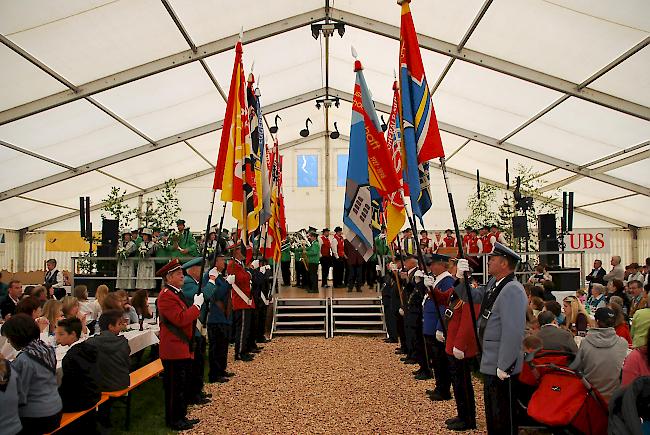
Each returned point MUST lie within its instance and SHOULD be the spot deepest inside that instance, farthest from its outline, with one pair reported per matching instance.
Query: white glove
(378, 268)
(255, 264)
(392, 267)
(266, 268)
(461, 267)
(230, 279)
(501, 374)
(458, 354)
(420, 273)
(213, 274)
(401, 312)
(382, 236)
(440, 336)
(429, 281)
(198, 300)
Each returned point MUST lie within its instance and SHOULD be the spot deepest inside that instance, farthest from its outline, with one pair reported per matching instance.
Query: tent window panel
(341, 169)
(307, 168)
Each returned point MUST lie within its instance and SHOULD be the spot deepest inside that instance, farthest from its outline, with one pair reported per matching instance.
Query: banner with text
(588, 240)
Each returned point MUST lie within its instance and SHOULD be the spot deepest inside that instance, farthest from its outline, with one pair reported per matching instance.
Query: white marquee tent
(130, 93)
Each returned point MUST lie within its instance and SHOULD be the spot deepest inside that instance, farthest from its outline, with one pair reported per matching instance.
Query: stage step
(300, 316)
(357, 316)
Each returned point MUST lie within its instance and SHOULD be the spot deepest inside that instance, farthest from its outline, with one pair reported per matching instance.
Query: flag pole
(414, 228)
(205, 244)
(397, 279)
(461, 254)
(223, 213)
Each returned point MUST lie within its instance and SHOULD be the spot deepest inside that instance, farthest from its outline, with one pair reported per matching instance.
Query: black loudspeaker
(546, 245)
(566, 281)
(110, 233)
(520, 227)
(546, 226)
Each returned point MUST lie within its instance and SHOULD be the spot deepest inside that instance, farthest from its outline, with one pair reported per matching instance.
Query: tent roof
(131, 93)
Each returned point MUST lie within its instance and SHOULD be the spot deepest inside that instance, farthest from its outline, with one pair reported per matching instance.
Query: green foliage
(115, 208)
(166, 209)
(482, 210)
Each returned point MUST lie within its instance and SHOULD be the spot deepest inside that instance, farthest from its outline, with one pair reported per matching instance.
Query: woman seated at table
(32, 307)
(71, 308)
(130, 314)
(53, 313)
(35, 368)
(140, 302)
(575, 316)
(91, 309)
(100, 295)
(78, 390)
(620, 324)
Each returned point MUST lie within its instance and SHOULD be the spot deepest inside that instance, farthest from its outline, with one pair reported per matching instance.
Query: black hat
(494, 226)
(468, 228)
(311, 229)
(606, 316)
(180, 222)
(439, 258)
(448, 230)
(337, 229)
(503, 251)
(428, 260)
(325, 230)
(408, 229)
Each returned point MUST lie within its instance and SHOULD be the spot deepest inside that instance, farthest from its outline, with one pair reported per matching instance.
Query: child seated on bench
(78, 390)
(113, 358)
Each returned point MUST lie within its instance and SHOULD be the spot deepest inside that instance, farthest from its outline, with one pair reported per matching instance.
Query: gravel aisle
(312, 385)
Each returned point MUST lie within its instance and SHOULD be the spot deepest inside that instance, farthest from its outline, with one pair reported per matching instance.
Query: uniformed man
(285, 263)
(461, 348)
(410, 311)
(339, 258)
(408, 242)
(388, 289)
(54, 278)
(177, 322)
(260, 289)
(219, 318)
(326, 258)
(192, 271)
(313, 259)
(449, 241)
(501, 326)
(486, 239)
(381, 252)
(187, 246)
(426, 244)
(302, 278)
(242, 302)
(256, 271)
(497, 236)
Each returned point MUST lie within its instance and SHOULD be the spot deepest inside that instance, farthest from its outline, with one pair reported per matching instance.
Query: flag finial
(357, 62)
(241, 34)
(354, 52)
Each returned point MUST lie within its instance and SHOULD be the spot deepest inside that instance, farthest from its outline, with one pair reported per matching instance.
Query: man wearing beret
(187, 246)
(192, 271)
(177, 323)
(242, 302)
(501, 325)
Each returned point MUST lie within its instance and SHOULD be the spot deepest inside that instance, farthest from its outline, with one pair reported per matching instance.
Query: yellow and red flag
(394, 202)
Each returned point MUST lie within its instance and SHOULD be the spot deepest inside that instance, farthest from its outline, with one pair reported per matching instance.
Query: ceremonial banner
(68, 241)
(394, 203)
(259, 211)
(235, 146)
(419, 124)
(369, 167)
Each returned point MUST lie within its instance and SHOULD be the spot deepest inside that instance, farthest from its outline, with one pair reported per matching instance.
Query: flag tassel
(461, 254)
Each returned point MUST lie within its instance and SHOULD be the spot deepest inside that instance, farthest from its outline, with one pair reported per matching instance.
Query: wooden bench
(137, 378)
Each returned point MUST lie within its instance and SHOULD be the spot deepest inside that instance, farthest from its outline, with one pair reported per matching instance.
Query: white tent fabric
(131, 93)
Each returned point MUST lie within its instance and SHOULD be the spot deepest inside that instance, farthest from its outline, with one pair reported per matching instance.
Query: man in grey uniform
(501, 325)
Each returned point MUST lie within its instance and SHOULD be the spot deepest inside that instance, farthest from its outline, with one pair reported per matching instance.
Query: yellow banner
(68, 241)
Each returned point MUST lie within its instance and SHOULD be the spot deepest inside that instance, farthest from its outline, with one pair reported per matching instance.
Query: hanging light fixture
(335, 134)
(274, 129)
(305, 131)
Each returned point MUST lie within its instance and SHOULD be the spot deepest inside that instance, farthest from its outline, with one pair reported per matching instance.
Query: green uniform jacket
(190, 289)
(286, 253)
(187, 241)
(313, 252)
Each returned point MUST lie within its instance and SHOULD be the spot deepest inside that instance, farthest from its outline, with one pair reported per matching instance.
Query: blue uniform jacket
(217, 292)
(190, 289)
(430, 320)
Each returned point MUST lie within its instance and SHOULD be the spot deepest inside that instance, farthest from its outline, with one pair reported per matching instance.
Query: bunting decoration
(419, 125)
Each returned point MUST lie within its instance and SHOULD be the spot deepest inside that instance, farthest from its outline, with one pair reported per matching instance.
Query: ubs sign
(589, 240)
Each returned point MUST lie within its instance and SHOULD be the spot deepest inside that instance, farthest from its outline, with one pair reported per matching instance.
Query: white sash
(266, 301)
(241, 294)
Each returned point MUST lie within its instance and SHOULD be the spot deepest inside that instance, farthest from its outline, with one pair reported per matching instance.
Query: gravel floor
(312, 385)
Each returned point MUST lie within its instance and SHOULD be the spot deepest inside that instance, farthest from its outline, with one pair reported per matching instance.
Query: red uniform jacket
(243, 281)
(472, 245)
(340, 245)
(173, 309)
(425, 245)
(487, 245)
(460, 330)
(325, 247)
(449, 242)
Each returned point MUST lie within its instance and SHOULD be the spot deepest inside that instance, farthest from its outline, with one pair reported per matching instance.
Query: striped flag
(419, 124)
(394, 203)
(261, 192)
(370, 169)
(277, 228)
(235, 146)
(253, 180)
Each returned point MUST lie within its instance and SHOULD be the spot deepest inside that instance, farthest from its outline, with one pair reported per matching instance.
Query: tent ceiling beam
(608, 200)
(159, 65)
(601, 169)
(48, 203)
(189, 145)
(499, 65)
(33, 154)
(179, 180)
(543, 198)
(516, 149)
(138, 151)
